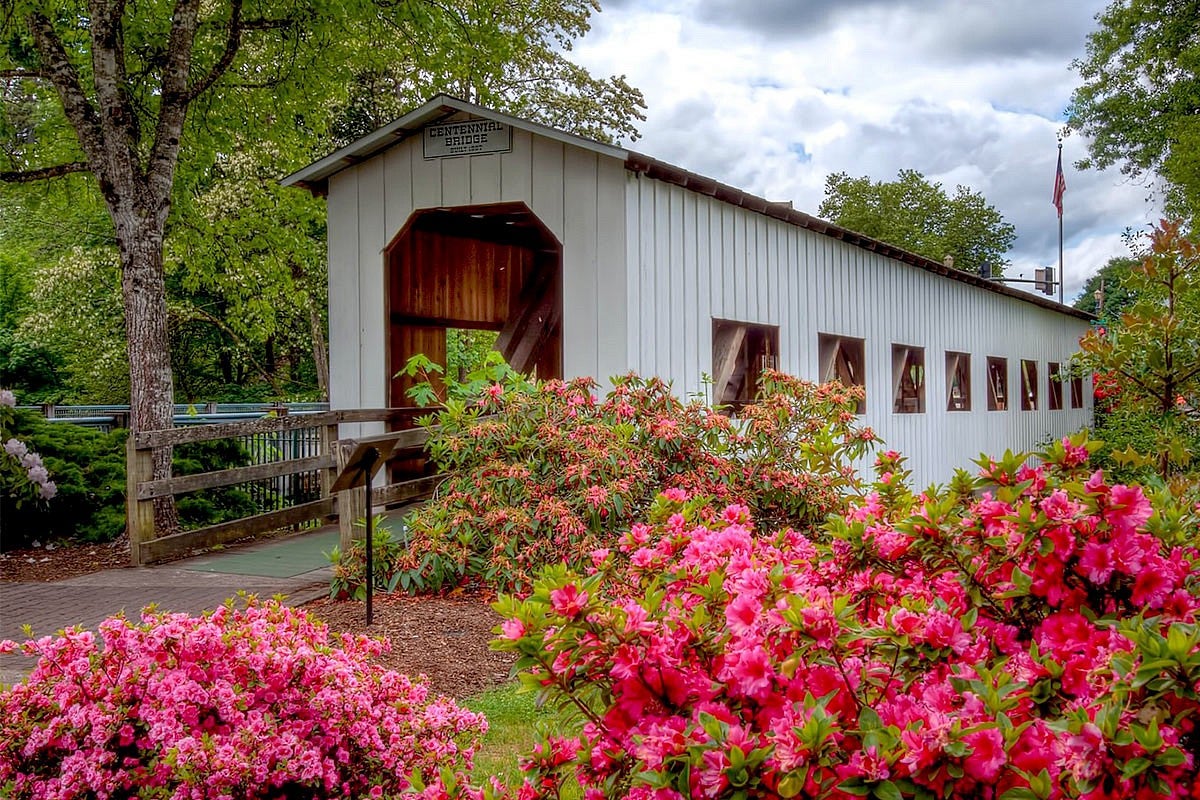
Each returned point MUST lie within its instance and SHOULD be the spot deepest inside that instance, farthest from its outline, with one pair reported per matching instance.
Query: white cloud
(771, 96)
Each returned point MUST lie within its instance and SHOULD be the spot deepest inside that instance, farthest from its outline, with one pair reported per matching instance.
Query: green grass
(515, 725)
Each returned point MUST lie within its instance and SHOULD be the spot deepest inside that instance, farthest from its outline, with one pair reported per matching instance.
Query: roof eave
(661, 170)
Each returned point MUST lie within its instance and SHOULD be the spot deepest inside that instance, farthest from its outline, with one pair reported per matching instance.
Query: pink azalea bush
(1029, 634)
(253, 702)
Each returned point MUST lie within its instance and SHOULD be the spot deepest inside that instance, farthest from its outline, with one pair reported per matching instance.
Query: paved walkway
(293, 566)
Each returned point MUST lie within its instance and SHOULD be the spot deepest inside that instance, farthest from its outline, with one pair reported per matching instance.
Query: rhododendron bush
(1028, 634)
(545, 474)
(253, 702)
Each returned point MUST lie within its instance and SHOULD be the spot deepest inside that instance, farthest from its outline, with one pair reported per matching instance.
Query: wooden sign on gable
(469, 138)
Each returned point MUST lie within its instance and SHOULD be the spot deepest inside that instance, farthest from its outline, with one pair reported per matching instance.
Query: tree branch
(62, 75)
(118, 121)
(24, 74)
(233, 40)
(43, 173)
(172, 109)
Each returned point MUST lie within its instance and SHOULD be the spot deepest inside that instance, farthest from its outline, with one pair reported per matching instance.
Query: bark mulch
(56, 561)
(444, 638)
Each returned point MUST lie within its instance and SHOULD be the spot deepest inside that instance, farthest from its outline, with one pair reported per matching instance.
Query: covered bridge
(590, 259)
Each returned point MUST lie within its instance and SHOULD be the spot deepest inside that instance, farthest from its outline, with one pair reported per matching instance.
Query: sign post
(370, 453)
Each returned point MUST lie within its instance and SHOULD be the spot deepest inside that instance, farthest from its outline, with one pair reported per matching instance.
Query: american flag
(1060, 184)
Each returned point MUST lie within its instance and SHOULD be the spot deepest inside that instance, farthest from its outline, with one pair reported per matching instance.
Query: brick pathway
(191, 585)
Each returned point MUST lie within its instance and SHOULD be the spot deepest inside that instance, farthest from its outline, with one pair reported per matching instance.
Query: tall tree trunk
(320, 351)
(150, 384)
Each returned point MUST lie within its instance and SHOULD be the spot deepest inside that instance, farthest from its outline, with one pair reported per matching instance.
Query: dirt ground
(54, 562)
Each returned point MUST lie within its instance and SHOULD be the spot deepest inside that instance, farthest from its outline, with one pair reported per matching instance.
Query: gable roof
(315, 178)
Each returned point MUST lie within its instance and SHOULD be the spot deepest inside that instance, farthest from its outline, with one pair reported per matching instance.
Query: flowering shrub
(23, 465)
(254, 702)
(1028, 634)
(545, 474)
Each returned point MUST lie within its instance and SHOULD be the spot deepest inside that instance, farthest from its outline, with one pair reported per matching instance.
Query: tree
(1141, 93)
(1154, 353)
(146, 98)
(1111, 279)
(915, 214)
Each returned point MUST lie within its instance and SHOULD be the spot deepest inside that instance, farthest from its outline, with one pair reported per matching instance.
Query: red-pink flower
(987, 755)
(568, 601)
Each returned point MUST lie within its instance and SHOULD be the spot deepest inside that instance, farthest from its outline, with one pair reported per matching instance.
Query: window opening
(1029, 385)
(741, 352)
(1077, 391)
(958, 381)
(843, 358)
(908, 379)
(1054, 386)
(997, 376)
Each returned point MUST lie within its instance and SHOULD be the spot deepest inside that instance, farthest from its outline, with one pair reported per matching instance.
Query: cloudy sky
(773, 95)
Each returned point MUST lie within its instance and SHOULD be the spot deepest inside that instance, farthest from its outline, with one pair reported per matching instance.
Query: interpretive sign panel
(469, 138)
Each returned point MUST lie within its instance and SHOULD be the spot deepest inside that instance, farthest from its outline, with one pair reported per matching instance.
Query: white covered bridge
(590, 259)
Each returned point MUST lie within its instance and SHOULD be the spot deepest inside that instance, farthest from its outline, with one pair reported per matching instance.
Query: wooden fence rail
(146, 546)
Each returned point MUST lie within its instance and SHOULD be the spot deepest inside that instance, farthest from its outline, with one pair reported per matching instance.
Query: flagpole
(1061, 276)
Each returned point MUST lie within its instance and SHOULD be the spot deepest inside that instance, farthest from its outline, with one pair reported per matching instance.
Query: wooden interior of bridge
(492, 267)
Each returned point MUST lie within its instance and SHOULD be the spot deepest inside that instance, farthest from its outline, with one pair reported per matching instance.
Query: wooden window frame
(1030, 395)
(1054, 386)
(735, 345)
(958, 365)
(908, 379)
(1077, 392)
(997, 383)
(844, 359)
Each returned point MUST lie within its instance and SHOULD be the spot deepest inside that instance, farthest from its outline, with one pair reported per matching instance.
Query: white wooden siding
(749, 267)
(648, 265)
(578, 195)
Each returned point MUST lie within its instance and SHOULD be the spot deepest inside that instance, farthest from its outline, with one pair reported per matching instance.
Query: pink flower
(568, 601)
(512, 629)
(987, 755)
(1096, 562)
(1128, 509)
(596, 496)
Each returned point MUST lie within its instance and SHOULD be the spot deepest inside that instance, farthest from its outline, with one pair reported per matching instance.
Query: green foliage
(87, 466)
(915, 214)
(1134, 436)
(243, 257)
(548, 473)
(1139, 94)
(350, 568)
(32, 371)
(517, 723)
(1149, 365)
(474, 367)
(468, 351)
(1117, 295)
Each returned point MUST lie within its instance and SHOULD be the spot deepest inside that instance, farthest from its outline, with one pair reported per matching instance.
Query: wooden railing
(142, 489)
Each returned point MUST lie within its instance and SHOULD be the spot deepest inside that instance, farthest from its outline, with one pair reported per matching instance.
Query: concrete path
(293, 566)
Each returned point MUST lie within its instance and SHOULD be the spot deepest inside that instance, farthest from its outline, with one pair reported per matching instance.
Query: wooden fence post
(329, 446)
(139, 514)
(350, 505)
